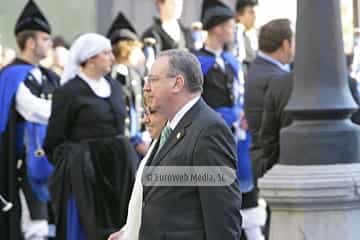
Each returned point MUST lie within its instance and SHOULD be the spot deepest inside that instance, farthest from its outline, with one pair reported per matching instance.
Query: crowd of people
(82, 124)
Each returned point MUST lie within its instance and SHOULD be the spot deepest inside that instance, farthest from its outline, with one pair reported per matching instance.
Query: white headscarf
(84, 47)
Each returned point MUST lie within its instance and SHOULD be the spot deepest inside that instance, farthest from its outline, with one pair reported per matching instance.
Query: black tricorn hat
(214, 13)
(244, 3)
(31, 18)
(121, 29)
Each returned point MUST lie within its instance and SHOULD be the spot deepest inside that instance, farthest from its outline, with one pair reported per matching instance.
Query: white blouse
(100, 87)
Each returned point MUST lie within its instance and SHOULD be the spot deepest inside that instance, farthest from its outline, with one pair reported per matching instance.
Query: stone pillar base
(313, 202)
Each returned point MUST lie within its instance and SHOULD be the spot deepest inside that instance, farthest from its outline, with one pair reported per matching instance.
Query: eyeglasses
(153, 79)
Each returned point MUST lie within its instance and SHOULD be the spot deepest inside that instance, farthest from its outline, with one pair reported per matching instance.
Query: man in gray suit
(195, 136)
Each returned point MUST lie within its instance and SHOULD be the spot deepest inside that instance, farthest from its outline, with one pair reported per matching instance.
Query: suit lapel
(156, 156)
(152, 154)
(174, 138)
(177, 134)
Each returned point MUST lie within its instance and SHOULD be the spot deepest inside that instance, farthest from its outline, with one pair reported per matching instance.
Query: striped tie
(165, 133)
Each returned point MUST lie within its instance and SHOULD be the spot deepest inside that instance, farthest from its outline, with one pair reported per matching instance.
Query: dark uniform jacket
(164, 41)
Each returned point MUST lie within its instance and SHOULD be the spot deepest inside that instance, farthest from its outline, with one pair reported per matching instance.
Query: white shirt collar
(180, 114)
(100, 87)
(216, 53)
(284, 67)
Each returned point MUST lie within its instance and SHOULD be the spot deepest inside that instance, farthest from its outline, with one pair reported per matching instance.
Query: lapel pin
(178, 135)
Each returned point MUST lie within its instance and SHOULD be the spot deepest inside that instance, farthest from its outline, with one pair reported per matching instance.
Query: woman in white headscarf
(94, 163)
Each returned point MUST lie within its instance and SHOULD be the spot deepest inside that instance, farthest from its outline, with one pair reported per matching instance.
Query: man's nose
(146, 86)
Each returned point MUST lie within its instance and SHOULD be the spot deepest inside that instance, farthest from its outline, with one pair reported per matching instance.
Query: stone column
(314, 191)
(313, 202)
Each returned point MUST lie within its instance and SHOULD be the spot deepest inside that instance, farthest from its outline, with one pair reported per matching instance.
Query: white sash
(133, 222)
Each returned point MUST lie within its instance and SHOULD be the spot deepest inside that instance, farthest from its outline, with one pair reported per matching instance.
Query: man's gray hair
(186, 64)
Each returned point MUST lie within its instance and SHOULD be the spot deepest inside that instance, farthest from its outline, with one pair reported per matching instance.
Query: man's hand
(142, 148)
(116, 235)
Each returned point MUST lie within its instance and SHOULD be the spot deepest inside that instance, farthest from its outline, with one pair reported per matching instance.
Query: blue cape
(38, 168)
(10, 79)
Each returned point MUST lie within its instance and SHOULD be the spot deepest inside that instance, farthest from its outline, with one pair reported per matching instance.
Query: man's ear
(30, 43)
(237, 16)
(285, 44)
(179, 83)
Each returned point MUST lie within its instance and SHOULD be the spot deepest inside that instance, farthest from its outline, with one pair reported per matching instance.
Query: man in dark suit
(275, 118)
(195, 136)
(276, 45)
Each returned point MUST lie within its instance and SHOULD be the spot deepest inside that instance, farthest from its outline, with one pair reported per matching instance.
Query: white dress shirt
(180, 114)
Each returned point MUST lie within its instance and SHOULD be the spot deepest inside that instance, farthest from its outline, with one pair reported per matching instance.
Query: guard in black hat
(26, 89)
(129, 60)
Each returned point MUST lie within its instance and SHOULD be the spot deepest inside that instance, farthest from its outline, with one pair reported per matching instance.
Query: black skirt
(100, 174)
